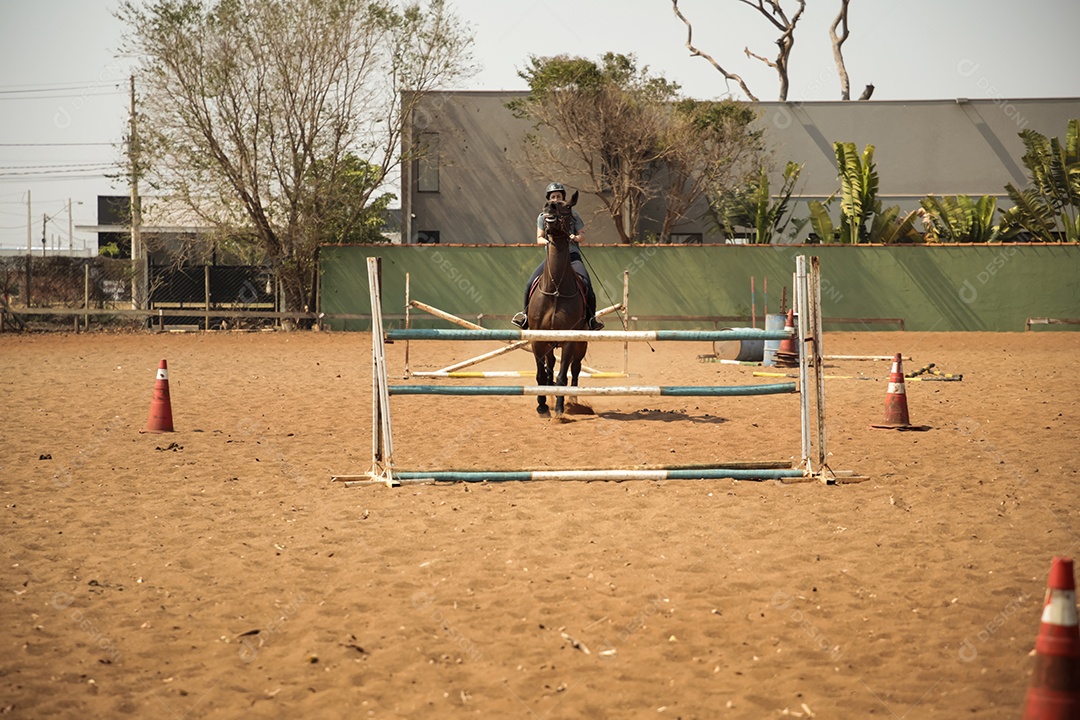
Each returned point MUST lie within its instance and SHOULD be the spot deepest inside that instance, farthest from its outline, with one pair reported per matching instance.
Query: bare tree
(838, 41)
(772, 11)
(277, 120)
(695, 52)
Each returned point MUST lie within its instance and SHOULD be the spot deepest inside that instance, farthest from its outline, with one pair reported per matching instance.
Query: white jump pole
(814, 289)
(801, 305)
(382, 436)
(408, 306)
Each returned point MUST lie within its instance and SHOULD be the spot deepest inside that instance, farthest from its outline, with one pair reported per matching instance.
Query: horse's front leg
(575, 355)
(575, 367)
(564, 366)
(543, 378)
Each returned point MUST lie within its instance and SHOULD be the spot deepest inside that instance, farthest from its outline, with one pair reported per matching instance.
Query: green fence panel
(930, 287)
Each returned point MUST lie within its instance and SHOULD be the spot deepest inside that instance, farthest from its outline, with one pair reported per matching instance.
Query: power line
(112, 166)
(52, 178)
(68, 95)
(49, 87)
(56, 166)
(56, 144)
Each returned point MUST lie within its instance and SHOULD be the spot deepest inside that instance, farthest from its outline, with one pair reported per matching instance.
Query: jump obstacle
(456, 370)
(808, 301)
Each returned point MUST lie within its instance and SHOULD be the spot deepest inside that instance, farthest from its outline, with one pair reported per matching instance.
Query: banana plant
(821, 221)
(888, 227)
(961, 219)
(858, 191)
(862, 219)
(1050, 209)
(753, 206)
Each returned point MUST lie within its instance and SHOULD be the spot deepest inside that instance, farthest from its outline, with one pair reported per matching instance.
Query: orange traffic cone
(787, 354)
(160, 419)
(1054, 692)
(896, 410)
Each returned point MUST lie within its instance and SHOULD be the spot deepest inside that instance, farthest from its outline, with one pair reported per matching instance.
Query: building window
(427, 237)
(686, 238)
(427, 165)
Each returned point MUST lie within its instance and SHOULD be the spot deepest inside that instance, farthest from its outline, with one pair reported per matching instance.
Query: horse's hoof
(543, 412)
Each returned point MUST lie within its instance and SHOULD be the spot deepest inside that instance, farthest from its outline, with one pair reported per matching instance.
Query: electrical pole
(71, 232)
(44, 219)
(138, 252)
(29, 231)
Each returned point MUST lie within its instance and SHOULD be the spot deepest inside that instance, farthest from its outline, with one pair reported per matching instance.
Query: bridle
(558, 216)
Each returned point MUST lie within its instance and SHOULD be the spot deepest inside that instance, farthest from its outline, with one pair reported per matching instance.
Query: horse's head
(559, 217)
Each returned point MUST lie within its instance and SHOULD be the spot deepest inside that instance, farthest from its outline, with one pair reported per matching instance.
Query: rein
(558, 223)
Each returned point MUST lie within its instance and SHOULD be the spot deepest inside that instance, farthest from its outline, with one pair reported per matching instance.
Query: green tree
(1050, 209)
(597, 128)
(619, 133)
(706, 148)
(276, 121)
(341, 200)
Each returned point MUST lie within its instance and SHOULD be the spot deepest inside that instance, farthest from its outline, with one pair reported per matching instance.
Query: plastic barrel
(740, 350)
(772, 322)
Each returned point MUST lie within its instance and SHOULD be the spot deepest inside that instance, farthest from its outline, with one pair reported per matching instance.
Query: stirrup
(595, 324)
(521, 320)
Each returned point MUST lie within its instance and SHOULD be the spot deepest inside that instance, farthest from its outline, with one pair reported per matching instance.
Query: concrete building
(472, 186)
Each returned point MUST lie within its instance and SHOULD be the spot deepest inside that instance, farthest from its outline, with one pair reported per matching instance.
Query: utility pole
(44, 219)
(138, 252)
(29, 251)
(71, 232)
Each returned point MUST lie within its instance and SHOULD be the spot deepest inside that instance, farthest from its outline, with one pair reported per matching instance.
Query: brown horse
(558, 303)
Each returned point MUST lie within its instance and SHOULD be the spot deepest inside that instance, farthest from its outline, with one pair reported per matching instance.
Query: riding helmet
(555, 187)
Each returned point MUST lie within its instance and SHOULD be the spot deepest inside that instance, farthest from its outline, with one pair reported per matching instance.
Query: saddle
(582, 288)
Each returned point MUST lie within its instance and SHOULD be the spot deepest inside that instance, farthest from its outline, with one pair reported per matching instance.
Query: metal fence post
(206, 290)
(86, 296)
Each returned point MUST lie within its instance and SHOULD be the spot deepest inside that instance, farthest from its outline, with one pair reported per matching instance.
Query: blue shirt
(579, 225)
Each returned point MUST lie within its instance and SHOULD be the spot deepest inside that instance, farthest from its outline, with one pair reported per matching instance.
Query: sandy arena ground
(216, 572)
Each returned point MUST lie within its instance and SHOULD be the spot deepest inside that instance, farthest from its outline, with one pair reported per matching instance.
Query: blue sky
(63, 90)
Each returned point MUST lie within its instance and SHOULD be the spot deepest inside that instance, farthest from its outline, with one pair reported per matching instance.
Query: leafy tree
(597, 128)
(705, 149)
(339, 203)
(276, 121)
(1052, 205)
(625, 136)
(961, 218)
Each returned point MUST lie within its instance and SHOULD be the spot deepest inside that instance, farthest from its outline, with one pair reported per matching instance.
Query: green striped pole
(574, 391)
(587, 475)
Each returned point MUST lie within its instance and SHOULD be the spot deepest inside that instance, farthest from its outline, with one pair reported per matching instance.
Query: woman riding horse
(558, 304)
(556, 192)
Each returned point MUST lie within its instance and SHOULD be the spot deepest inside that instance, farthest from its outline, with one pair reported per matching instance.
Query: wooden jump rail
(456, 370)
(808, 293)
(1050, 321)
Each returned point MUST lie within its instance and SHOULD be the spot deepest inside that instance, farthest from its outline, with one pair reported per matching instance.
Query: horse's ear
(573, 199)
